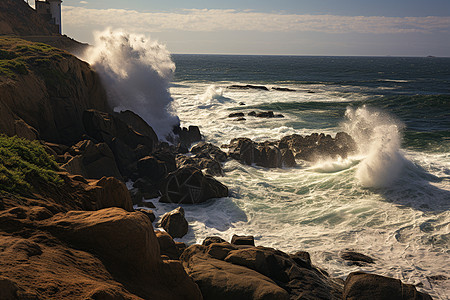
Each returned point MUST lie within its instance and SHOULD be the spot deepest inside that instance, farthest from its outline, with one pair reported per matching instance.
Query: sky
(267, 27)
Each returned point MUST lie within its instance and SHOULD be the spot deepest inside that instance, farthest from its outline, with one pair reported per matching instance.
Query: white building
(51, 10)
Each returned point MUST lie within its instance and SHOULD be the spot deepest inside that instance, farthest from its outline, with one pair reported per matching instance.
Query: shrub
(24, 166)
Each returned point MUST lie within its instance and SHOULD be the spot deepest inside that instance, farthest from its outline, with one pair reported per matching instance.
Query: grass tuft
(24, 166)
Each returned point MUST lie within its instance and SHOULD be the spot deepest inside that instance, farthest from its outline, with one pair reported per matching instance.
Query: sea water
(390, 200)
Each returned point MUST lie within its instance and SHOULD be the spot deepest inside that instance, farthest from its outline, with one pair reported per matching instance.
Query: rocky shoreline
(81, 238)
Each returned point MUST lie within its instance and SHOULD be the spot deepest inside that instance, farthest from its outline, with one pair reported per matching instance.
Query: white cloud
(210, 20)
(84, 2)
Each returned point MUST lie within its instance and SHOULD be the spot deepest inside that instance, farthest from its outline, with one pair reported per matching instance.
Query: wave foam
(136, 72)
(378, 137)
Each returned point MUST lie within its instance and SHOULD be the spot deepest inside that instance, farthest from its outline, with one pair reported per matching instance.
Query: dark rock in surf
(252, 114)
(188, 185)
(174, 223)
(234, 115)
(240, 119)
(211, 150)
(248, 87)
(282, 89)
(211, 166)
(265, 114)
(167, 245)
(287, 158)
(356, 258)
(188, 136)
(363, 286)
(152, 168)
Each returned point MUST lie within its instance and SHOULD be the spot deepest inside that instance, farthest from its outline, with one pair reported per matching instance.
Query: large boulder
(110, 192)
(174, 223)
(292, 273)
(167, 245)
(138, 124)
(189, 185)
(363, 286)
(92, 161)
(221, 280)
(104, 127)
(187, 136)
(249, 152)
(209, 149)
(211, 166)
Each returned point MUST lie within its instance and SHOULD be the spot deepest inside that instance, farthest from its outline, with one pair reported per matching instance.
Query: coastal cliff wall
(45, 90)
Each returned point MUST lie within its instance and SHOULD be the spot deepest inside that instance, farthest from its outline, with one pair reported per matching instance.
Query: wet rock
(248, 86)
(302, 259)
(174, 223)
(241, 103)
(252, 114)
(189, 185)
(188, 136)
(282, 89)
(243, 240)
(362, 286)
(110, 192)
(287, 158)
(356, 258)
(265, 114)
(240, 119)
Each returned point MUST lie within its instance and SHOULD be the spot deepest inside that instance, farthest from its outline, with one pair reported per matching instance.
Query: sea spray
(377, 135)
(136, 72)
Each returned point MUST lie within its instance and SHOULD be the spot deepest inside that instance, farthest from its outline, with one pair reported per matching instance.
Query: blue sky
(294, 27)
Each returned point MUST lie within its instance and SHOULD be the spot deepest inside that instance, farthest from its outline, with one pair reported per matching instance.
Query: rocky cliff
(44, 91)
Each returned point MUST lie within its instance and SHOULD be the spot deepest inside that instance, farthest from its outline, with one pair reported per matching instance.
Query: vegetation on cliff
(17, 56)
(24, 163)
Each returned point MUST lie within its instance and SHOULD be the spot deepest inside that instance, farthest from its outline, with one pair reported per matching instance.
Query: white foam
(377, 135)
(136, 72)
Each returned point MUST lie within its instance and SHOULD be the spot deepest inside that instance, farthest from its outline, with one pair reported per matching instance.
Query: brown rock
(362, 286)
(220, 280)
(110, 192)
(243, 240)
(174, 223)
(167, 245)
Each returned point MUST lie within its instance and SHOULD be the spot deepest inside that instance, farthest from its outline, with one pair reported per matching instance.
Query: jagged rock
(287, 158)
(302, 259)
(362, 286)
(211, 166)
(174, 223)
(188, 136)
(317, 145)
(249, 152)
(252, 114)
(282, 89)
(356, 258)
(92, 161)
(240, 119)
(220, 280)
(104, 127)
(147, 188)
(211, 150)
(189, 185)
(125, 157)
(138, 124)
(243, 240)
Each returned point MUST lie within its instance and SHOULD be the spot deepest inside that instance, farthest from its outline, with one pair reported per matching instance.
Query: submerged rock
(356, 258)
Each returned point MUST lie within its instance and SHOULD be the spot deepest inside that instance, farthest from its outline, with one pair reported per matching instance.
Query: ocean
(389, 201)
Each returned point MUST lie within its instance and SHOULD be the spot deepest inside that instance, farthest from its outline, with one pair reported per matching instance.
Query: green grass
(25, 166)
(19, 57)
